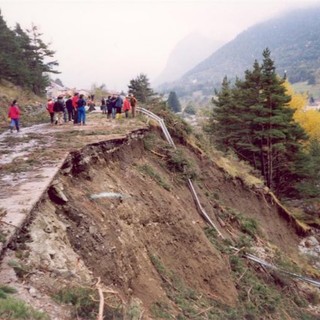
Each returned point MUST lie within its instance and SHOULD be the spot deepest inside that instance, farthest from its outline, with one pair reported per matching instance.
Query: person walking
(50, 105)
(126, 106)
(70, 109)
(133, 103)
(81, 110)
(75, 99)
(14, 115)
(58, 109)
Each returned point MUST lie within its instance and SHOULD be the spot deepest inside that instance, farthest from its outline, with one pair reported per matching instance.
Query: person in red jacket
(126, 106)
(50, 109)
(14, 115)
(75, 99)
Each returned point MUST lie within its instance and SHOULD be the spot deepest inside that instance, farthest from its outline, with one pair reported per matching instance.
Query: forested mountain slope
(293, 38)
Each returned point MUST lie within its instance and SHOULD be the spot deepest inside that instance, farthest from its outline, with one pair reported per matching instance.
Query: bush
(15, 309)
(81, 299)
(177, 161)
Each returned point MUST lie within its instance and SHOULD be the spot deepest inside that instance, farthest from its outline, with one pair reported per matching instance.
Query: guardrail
(160, 121)
(206, 216)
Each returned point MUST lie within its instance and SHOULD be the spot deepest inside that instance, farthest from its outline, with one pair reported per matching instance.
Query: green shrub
(160, 310)
(82, 299)
(178, 162)
(150, 171)
(19, 268)
(14, 309)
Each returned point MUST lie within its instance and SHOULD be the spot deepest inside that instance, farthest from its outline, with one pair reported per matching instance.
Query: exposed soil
(136, 223)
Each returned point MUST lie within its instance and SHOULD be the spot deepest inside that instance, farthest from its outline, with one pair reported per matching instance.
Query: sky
(111, 42)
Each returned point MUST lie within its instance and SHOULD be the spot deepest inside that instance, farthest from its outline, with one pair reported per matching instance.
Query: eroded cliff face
(116, 212)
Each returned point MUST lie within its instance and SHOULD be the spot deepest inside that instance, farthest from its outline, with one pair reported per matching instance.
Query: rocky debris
(56, 194)
(310, 246)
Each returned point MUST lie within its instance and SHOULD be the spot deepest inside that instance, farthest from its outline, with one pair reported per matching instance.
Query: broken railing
(207, 218)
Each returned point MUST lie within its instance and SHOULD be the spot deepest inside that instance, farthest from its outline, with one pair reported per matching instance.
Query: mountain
(186, 55)
(294, 41)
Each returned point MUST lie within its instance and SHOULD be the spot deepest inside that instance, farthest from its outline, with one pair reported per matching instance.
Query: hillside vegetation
(33, 107)
(293, 39)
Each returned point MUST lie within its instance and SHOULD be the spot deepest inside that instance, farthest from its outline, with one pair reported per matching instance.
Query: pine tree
(24, 58)
(253, 119)
(38, 56)
(173, 102)
(140, 88)
(9, 53)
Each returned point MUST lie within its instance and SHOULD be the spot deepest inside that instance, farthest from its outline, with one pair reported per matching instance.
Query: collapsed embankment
(120, 211)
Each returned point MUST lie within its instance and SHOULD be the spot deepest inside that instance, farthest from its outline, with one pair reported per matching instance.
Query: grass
(11, 308)
(177, 161)
(21, 270)
(269, 295)
(3, 237)
(81, 300)
(14, 309)
(21, 165)
(154, 175)
(85, 303)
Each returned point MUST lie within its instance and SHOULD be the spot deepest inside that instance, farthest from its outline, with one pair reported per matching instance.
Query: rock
(311, 242)
(56, 194)
(93, 230)
(33, 292)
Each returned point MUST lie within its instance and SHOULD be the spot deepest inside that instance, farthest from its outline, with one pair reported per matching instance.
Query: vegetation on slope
(293, 39)
(254, 120)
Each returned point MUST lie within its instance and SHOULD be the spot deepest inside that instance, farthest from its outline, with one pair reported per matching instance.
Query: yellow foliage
(308, 119)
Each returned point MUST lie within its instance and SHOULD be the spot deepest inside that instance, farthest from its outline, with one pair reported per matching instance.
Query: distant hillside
(294, 40)
(186, 55)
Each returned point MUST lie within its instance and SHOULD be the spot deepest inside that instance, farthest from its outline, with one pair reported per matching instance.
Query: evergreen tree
(253, 118)
(9, 53)
(223, 117)
(24, 58)
(140, 88)
(190, 109)
(173, 102)
(40, 67)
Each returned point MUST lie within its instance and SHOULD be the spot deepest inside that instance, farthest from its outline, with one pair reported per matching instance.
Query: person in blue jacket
(81, 110)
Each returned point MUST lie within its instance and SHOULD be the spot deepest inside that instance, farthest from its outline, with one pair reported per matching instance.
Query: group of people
(114, 105)
(71, 109)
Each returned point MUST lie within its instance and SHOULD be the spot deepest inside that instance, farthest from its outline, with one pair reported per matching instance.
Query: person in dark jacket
(103, 106)
(70, 109)
(118, 105)
(81, 110)
(109, 107)
(58, 109)
(113, 106)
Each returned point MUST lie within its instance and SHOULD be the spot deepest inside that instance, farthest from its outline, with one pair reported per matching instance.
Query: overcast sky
(111, 42)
